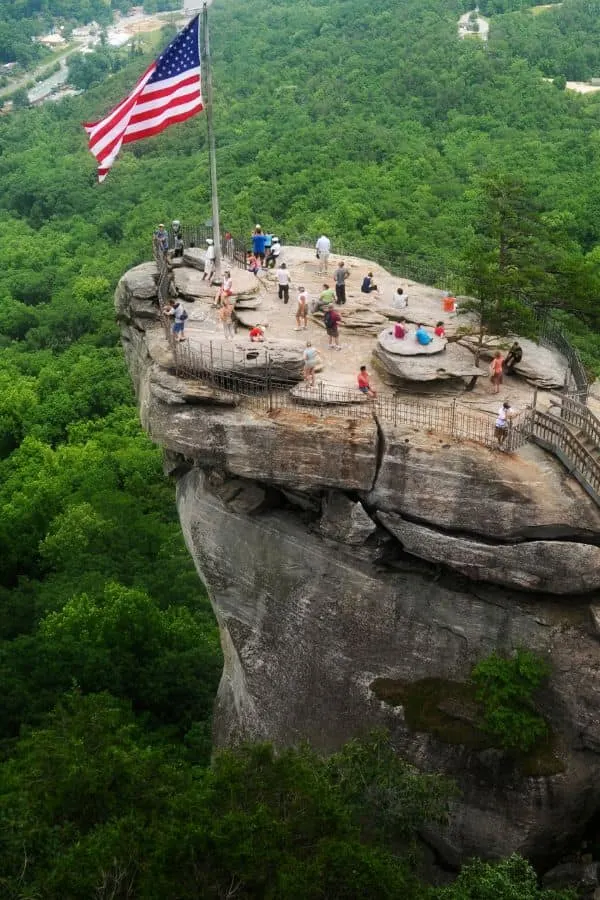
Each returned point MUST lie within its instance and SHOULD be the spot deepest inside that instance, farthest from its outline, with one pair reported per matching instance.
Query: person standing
(179, 313)
(283, 283)
(496, 370)
(226, 317)
(302, 310)
(209, 260)
(332, 319)
(162, 238)
(259, 241)
(310, 357)
(505, 414)
(323, 248)
(341, 275)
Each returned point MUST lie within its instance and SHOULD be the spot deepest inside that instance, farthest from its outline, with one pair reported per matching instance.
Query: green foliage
(510, 879)
(506, 688)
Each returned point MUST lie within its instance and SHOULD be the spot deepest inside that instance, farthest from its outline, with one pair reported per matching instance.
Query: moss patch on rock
(449, 711)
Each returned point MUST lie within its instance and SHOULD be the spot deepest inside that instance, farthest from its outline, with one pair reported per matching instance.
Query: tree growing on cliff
(508, 879)
(506, 688)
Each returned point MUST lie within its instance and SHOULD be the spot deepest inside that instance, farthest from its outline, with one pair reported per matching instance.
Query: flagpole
(208, 105)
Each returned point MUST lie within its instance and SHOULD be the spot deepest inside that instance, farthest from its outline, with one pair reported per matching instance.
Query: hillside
(369, 121)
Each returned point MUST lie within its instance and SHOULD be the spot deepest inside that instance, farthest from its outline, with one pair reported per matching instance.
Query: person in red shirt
(439, 330)
(364, 385)
(257, 334)
(332, 318)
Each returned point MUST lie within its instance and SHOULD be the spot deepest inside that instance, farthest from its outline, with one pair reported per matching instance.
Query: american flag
(168, 92)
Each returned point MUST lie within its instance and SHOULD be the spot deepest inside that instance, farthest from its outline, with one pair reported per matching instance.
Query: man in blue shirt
(422, 336)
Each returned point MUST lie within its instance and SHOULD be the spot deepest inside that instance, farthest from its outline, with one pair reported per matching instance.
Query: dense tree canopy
(370, 121)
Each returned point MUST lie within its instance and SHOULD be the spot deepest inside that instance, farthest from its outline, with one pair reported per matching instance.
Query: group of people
(422, 336)
(266, 250)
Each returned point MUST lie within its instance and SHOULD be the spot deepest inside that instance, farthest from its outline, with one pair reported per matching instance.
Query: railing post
(453, 417)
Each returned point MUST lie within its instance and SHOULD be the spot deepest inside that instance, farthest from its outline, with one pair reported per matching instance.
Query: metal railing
(577, 384)
(551, 433)
(234, 250)
(580, 417)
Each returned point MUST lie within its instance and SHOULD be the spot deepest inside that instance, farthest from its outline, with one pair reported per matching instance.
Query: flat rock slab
(194, 257)
(327, 394)
(248, 317)
(247, 303)
(190, 284)
(409, 346)
(454, 363)
(279, 359)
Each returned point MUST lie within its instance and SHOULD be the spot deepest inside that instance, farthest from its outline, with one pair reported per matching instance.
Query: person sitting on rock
(273, 253)
(364, 384)
(368, 286)
(326, 298)
(400, 329)
(253, 264)
(439, 330)
(513, 358)
(399, 299)
(257, 334)
(225, 291)
(422, 336)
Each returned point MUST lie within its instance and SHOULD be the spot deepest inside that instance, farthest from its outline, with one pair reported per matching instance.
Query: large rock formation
(358, 571)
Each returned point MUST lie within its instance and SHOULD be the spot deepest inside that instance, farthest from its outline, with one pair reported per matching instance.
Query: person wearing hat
(209, 260)
(162, 237)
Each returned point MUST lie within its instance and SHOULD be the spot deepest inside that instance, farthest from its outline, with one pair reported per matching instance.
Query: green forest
(372, 122)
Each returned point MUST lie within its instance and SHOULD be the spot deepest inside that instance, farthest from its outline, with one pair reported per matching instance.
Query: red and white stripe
(148, 110)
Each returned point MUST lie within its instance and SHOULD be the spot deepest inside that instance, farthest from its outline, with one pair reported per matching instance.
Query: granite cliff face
(358, 571)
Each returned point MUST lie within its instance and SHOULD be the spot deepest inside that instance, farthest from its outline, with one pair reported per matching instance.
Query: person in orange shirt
(364, 385)
(496, 369)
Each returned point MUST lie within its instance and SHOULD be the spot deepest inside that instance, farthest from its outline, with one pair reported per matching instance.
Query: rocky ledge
(358, 571)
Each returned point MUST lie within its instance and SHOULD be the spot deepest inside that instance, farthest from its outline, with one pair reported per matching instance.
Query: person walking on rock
(302, 310)
(259, 241)
(496, 371)
(209, 260)
(332, 319)
(505, 414)
(162, 238)
(283, 283)
(323, 248)
(341, 275)
(226, 317)
(310, 357)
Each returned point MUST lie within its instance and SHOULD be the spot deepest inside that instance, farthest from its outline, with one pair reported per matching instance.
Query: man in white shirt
(323, 248)
(209, 260)
(283, 281)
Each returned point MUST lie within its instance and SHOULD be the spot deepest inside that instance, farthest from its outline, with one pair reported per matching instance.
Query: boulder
(136, 295)
(541, 366)
(577, 875)
(344, 520)
(555, 567)
(279, 360)
(409, 346)
(191, 286)
(454, 363)
(194, 257)
(464, 488)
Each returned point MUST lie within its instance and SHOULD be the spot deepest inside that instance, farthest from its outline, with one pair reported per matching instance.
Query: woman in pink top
(496, 371)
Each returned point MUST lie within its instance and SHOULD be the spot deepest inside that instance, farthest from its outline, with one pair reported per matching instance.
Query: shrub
(506, 688)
